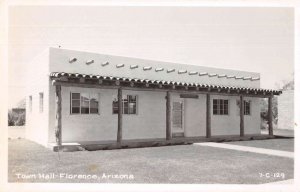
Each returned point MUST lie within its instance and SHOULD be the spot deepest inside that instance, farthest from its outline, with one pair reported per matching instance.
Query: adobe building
(93, 100)
(286, 110)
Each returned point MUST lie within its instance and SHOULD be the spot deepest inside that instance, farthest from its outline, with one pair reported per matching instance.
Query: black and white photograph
(110, 94)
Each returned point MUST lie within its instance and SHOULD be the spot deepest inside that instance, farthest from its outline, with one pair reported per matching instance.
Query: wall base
(139, 143)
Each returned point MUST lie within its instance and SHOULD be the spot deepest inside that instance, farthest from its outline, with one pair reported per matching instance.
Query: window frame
(41, 102)
(115, 99)
(220, 107)
(30, 103)
(245, 107)
(71, 103)
(80, 100)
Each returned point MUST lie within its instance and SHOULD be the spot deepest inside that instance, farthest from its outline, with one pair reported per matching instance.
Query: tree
(286, 84)
(21, 119)
(265, 111)
(16, 119)
(11, 118)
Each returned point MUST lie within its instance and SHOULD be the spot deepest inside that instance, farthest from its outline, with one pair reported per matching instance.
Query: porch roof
(63, 76)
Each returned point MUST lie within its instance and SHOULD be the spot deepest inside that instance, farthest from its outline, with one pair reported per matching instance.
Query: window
(247, 107)
(220, 107)
(41, 107)
(84, 103)
(129, 104)
(115, 106)
(75, 103)
(30, 103)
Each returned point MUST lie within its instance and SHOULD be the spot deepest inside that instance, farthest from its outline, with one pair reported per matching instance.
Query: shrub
(11, 118)
(16, 119)
(265, 110)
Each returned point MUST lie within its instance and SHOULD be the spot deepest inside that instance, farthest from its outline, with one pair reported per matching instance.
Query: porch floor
(136, 143)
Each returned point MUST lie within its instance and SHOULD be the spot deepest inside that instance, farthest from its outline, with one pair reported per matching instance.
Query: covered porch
(61, 79)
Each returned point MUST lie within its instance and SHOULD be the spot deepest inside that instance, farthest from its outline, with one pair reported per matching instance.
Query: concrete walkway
(249, 149)
(280, 132)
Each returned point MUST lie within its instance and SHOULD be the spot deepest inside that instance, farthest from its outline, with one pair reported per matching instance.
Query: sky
(249, 39)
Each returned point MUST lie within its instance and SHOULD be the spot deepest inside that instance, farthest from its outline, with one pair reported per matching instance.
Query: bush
(265, 110)
(16, 119)
(11, 118)
(21, 119)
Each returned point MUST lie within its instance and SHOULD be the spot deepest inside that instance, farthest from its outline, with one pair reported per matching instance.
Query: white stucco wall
(149, 122)
(88, 127)
(286, 110)
(252, 121)
(37, 80)
(230, 124)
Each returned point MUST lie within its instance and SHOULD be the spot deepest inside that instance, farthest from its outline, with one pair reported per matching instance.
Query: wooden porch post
(242, 131)
(120, 114)
(58, 115)
(270, 114)
(168, 116)
(208, 119)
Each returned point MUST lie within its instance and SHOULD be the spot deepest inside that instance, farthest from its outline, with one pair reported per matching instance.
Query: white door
(177, 116)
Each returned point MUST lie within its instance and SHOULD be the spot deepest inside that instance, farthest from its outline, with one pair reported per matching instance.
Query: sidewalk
(249, 149)
(280, 132)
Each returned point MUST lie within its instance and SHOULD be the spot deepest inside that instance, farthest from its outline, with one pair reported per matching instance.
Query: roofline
(97, 79)
(147, 60)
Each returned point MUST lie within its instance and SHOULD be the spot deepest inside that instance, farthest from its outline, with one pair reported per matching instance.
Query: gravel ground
(170, 164)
